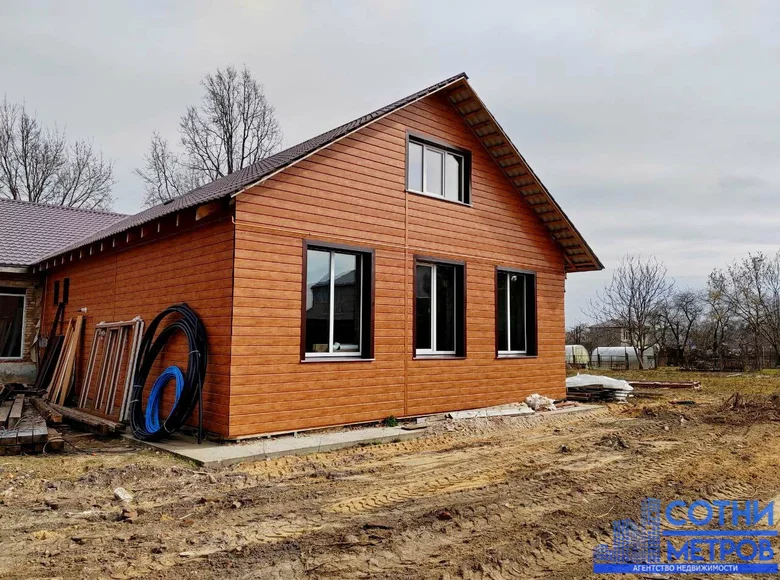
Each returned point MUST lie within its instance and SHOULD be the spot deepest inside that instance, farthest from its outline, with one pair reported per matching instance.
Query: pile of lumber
(99, 425)
(64, 373)
(665, 384)
(24, 430)
(594, 394)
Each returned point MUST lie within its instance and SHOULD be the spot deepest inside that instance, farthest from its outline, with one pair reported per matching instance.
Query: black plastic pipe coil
(191, 326)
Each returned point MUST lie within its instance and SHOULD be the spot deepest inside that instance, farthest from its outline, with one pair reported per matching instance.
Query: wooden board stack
(64, 373)
(24, 430)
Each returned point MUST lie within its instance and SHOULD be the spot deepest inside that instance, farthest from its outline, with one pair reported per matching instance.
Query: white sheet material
(606, 382)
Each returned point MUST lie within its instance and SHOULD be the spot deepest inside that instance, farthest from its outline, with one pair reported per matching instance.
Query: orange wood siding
(193, 264)
(353, 193)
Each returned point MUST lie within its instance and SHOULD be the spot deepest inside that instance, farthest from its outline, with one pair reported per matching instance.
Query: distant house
(405, 263)
(28, 233)
(609, 333)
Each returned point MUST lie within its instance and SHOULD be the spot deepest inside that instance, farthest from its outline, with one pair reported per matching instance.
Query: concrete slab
(211, 454)
(498, 412)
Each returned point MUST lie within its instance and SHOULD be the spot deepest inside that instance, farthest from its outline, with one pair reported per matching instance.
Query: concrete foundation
(211, 454)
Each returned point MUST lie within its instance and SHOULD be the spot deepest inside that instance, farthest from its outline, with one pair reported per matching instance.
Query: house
(609, 333)
(405, 263)
(28, 233)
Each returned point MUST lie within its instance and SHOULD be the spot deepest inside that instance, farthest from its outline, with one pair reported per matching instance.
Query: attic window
(438, 170)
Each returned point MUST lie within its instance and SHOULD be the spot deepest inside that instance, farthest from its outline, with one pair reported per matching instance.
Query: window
(56, 292)
(11, 322)
(437, 170)
(65, 290)
(338, 303)
(515, 313)
(439, 309)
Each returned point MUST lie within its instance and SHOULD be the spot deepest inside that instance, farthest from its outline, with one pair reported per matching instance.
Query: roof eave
(584, 259)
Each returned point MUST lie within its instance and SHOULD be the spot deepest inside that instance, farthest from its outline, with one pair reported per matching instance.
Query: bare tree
(677, 316)
(577, 334)
(635, 295)
(233, 127)
(165, 176)
(39, 165)
(751, 287)
(718, 323)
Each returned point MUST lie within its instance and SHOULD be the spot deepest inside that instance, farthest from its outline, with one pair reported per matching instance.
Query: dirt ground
(472, 499)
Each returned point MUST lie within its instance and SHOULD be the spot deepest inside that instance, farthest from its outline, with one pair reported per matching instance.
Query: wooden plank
(93, 422)
(665, 384)
(54, 442)
(54, 385)
(67, 377)
(46, 410)
(8, 437)
(5, 409)
(16, 412)
(40, 430)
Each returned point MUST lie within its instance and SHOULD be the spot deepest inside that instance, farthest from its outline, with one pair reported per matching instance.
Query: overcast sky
(654, 124)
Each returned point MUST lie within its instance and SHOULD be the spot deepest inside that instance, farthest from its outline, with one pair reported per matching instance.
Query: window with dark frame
(437, 170)
(440, 319)
(338, 303)
(515, 313)
(12, 302)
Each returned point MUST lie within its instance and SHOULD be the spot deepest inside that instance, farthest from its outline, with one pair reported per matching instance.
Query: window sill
(517, 356)
(336, 359)
(439, 197)
(438, 357)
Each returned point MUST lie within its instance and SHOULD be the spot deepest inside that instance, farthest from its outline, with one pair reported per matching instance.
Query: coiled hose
(191, 392)
(155, 396)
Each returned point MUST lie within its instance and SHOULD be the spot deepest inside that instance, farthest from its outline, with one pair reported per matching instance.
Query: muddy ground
(475, 499)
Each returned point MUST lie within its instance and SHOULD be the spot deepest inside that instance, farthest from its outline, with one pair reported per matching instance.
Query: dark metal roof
(243, 178)
(579, 255)
(31, 231)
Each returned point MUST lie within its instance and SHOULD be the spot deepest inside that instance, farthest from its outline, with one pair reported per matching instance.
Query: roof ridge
(247, 177)
(356, 121)
(64, 207)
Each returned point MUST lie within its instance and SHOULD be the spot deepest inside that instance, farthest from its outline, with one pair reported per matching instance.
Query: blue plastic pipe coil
(155, 396)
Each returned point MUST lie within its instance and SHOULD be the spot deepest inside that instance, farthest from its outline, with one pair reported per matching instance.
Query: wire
(191, 393)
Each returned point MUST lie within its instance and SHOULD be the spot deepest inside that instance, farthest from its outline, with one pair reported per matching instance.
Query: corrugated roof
(251, 174)
(579, 255)
(31, 231)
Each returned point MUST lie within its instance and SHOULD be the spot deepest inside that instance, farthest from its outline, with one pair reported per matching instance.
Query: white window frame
(24, 322)
(444, 153)
(508, 320)
(432, 350)
(332, 306)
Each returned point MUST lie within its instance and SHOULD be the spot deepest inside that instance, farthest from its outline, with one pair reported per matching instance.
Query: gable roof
(579, 256)
(31, 231)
